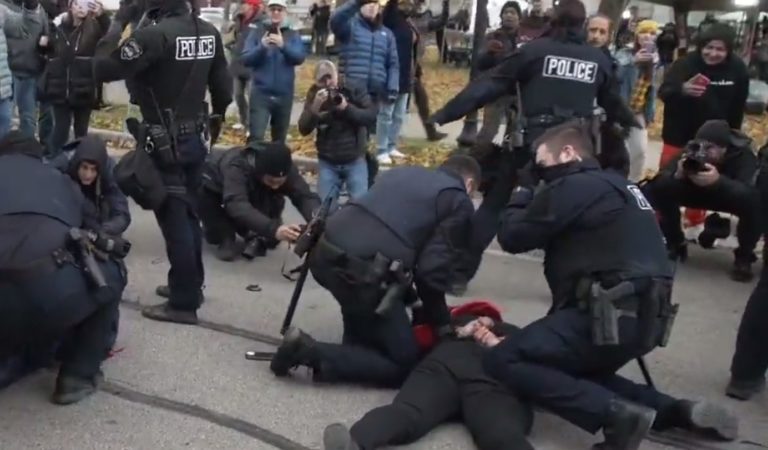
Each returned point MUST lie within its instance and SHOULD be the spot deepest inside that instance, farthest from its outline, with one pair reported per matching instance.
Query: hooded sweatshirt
(109, 201)
(724, 98)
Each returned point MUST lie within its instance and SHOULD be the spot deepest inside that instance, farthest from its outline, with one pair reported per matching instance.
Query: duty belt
(548, 120)
(364, 270)
(39, 267)
(182, 127)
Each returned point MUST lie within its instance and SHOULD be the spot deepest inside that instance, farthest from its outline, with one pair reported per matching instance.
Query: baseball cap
(277, 3)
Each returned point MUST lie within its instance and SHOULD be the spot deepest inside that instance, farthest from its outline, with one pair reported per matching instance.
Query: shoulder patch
(570, 69)
(131, 50)
(642, 202)
(191, 47)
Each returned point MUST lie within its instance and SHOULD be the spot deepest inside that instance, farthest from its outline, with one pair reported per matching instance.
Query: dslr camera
(695, 156)
(334, 96)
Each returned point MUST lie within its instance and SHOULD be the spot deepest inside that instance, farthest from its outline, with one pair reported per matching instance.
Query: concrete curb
(303, 162)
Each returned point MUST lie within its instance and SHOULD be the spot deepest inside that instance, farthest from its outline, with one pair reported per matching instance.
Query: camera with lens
(114, 245)
(695, 157)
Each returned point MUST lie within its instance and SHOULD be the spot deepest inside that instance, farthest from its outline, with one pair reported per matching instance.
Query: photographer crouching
(244, 192)
(341, 115)
(715, 172)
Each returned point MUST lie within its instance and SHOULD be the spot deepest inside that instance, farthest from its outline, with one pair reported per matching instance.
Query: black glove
(31, 4)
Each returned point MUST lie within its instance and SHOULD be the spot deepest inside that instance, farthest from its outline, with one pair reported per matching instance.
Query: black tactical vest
(404, 200)
(28, 186)
(629, 247)
(561, 76)
(180, 80)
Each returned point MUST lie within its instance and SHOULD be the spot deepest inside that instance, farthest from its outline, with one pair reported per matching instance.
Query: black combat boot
(297, 349)
(678, 253)
(71, 389)
(227, 250)
(433, 135)
(164, 313)
(626, 426)
(705, 418)
(337, 437)
(744, 390)
(742, 271)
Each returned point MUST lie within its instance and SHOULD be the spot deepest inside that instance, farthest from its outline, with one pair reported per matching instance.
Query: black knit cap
(514, 5)
(274, 158)
(717, 132)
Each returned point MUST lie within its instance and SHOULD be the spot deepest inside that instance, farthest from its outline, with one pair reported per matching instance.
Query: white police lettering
(189, 47)
(570, 69)
(642, 202)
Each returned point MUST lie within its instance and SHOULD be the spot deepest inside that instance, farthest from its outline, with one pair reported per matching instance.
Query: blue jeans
(389, 122)
(354, 175)
(269, 110)
(180, 225)
(25, 94)
(6, 110)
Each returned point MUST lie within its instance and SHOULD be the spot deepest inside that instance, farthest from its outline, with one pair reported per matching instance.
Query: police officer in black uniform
(45, 292)
(558, 75)
(611, 282)
(172, 61)
(412, 226)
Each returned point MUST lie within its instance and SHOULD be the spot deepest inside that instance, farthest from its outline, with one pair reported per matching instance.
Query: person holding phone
(707, 84)
(272, 52)
(68, 81)
(636, 68)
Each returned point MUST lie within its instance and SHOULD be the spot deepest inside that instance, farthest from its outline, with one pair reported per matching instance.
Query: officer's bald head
(466, 167)
(564, 143)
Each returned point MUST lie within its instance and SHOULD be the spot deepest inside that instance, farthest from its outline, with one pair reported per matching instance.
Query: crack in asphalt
(233, 423)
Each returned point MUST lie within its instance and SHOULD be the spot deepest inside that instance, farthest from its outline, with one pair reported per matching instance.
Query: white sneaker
(396, 154)
(384, 159)
(238, 126)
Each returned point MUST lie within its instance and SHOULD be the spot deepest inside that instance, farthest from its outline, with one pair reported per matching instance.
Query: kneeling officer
(413, 225)
(50, 283)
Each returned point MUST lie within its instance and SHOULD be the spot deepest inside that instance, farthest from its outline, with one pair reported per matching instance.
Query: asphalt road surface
(189, 387)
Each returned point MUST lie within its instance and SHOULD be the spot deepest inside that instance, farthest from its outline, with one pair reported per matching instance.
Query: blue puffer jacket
(274, 69)
(368, 52)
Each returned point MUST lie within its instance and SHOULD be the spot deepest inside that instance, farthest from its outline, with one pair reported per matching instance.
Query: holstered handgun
(661, 315)
(89, 265)
(604, 313)
(396, 289)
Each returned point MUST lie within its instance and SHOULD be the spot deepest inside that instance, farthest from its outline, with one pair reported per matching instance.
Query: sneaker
(384, 159)
(712, 419)
(164, 313)
(744, 390)
(336, 437)
(396, 154)
(164, 291)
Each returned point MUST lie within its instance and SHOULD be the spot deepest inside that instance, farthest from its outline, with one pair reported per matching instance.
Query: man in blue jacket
(272, 52)
(368, 50)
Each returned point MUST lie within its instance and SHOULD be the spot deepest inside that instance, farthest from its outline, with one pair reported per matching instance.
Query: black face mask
(551, 173)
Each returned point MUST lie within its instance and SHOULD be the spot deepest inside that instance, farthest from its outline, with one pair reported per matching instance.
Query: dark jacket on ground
(342, 136)
(110, 202)
(236, 174)
(489, 58)
(68, 78)
(241, 31)
(724, 98)
(407, 40)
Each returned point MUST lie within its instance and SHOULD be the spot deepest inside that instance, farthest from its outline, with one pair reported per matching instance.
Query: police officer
(172, 61)
(44, 290)
(559, 79)
(411, 226)
(611, 281)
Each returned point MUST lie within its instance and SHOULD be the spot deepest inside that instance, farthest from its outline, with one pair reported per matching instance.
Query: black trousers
(750, 362)
(668, 194)
(377, 350)
(64, 118)
(434, 394)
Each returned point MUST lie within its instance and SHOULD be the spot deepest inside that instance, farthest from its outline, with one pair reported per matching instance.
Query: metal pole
(469, 133)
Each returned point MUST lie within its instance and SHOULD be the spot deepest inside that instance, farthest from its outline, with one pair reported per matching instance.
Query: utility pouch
(660, 294)
(160, 146)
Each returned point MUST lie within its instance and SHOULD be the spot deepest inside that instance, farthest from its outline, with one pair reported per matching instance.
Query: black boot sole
(290, 340)
(712, 418)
